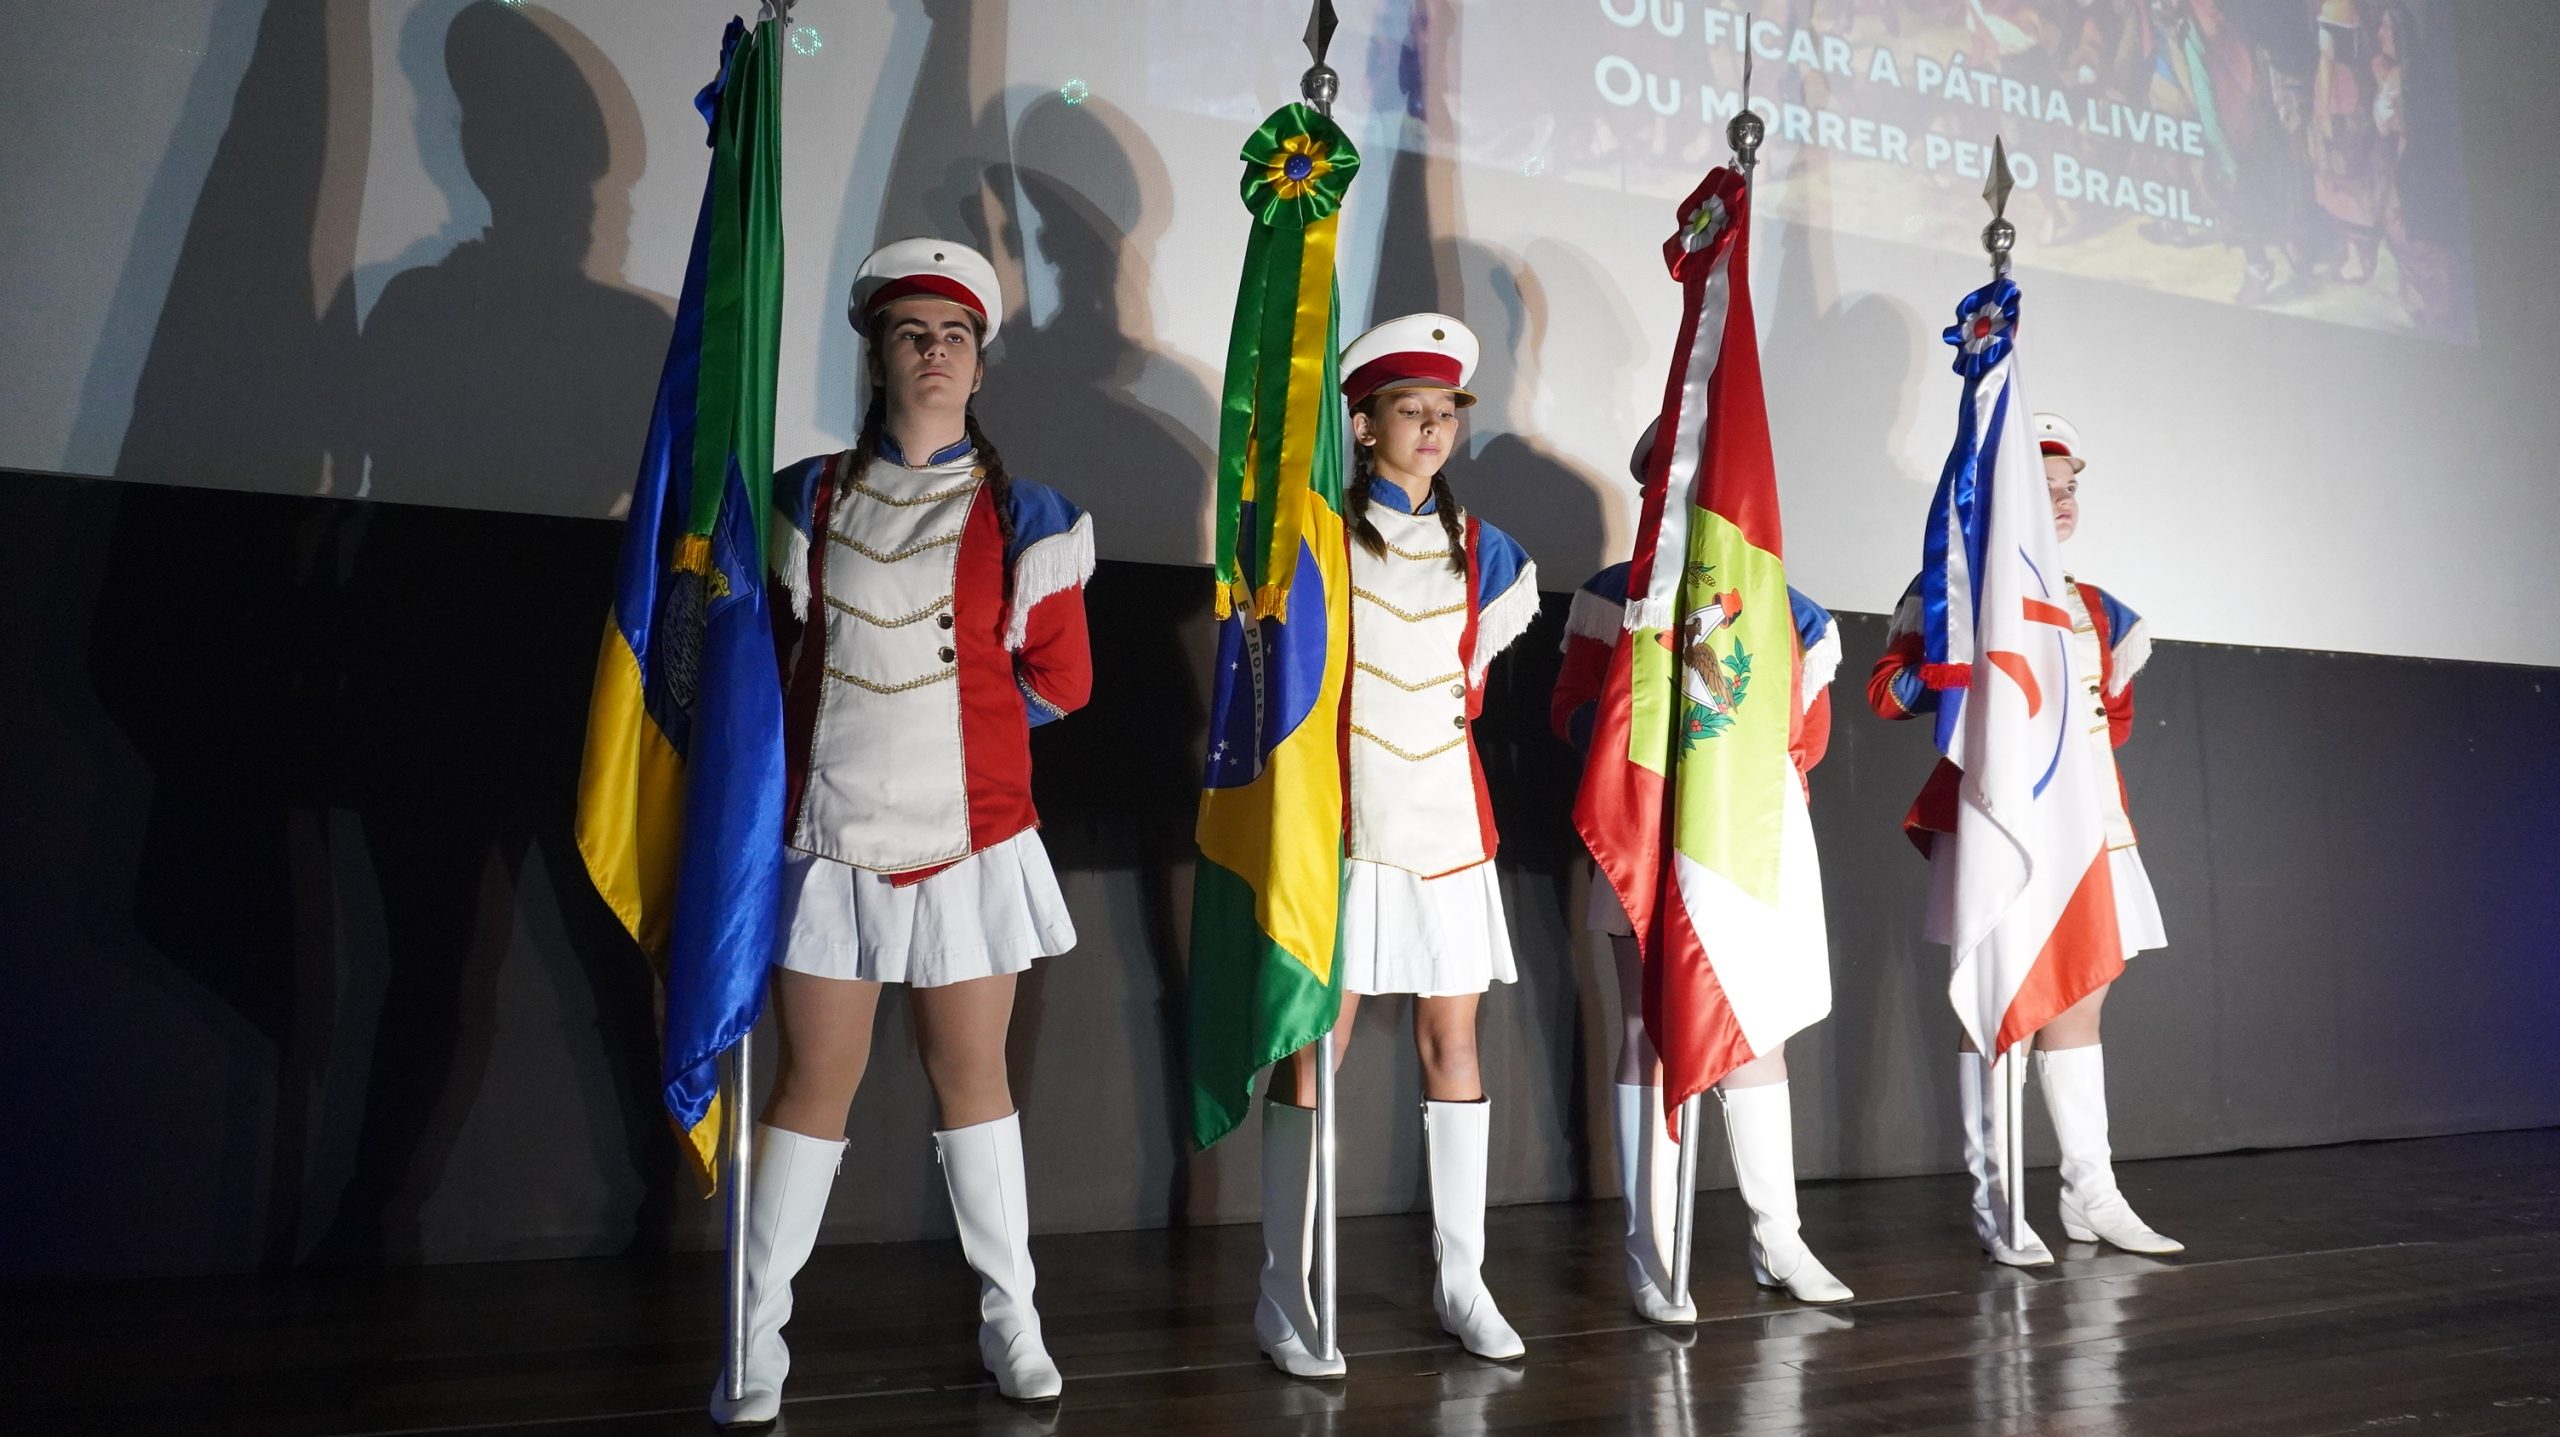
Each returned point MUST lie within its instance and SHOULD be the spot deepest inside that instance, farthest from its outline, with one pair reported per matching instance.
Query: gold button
(948, 653)
(1457, 691)
(1459, 722)
(945, 621)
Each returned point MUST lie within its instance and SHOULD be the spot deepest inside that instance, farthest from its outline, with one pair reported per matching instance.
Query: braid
(999, 484)
(875, 422)
(1362, 529)
(1445, 500)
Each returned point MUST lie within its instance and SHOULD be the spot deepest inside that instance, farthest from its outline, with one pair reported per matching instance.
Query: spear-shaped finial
(1320, 84)
(1999, 237)
(1746, 130)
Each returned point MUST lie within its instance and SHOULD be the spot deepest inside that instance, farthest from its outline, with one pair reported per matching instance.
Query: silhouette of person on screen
(502, 376)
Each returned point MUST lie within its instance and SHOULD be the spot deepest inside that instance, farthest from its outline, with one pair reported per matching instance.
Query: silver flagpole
(1328, 1332)
(1744, 133)
(2009, 1071)
(1685, 1215)
(1319, 85)
(2013, 1090)
(741, 1167)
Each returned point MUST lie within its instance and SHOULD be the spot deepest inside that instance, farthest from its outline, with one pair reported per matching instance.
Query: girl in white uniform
(1436, 594)
(2111, 646)
(934, 614)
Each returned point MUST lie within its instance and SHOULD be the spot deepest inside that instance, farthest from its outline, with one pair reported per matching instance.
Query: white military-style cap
(938, 268)
(1418, 351)
(2054, 435)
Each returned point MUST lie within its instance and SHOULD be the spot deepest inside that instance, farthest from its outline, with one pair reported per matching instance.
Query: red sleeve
(1901, 657)
(1578, 685)
(1055, 665)
(1813, 736)
(2120, 715)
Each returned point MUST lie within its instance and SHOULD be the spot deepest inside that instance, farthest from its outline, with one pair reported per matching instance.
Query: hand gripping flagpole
(2009, 1069)
(1743, 132)
(1319, 85)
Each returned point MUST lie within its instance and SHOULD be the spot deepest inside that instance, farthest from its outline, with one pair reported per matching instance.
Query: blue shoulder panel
(1610, 583)
(1499, 560)
(1039, 512)
(1812, 620)
(795, 490)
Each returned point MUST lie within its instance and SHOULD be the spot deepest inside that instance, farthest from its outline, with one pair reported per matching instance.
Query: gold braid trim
(1440, 613)
(918, 547)
(877, 622)
(1418, 553)
(1406, 755)
(858, 681)
(859, 487)
(1367, 667)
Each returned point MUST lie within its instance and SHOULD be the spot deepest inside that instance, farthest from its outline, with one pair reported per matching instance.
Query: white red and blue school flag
(2029, 912)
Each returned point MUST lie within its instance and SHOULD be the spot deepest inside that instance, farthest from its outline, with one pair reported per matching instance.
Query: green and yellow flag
(1267, 901)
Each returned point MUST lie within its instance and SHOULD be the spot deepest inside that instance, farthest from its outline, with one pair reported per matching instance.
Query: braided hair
(875, 424)
(1444, 500)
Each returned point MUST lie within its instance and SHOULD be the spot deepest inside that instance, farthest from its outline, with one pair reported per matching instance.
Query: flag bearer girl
(1436, 594)
(1758, 1113)
(934, 616)
(2111, 647)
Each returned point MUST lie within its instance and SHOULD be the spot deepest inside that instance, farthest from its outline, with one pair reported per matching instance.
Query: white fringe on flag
(1501, 621)
(1648, 613)
(1051, 566)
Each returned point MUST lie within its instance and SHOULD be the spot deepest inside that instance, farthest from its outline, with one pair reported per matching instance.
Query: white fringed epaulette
(787, 557)
(1503, 620)
(1821, 663)
(1593, 616)
(2132, 651)
(1050, 566)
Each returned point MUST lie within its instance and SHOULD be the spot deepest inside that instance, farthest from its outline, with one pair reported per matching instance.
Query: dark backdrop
(300, 965)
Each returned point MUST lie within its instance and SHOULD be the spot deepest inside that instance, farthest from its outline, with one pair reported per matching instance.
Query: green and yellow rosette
(1279, 435)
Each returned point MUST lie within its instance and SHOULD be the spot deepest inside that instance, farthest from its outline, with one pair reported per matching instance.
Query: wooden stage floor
(2408, 1288)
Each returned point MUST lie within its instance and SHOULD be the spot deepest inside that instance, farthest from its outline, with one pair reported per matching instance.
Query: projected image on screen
(2296, 156)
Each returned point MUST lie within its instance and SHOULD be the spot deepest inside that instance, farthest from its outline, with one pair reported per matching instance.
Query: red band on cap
(2056, 446)
(1439, 370)
(931, 285)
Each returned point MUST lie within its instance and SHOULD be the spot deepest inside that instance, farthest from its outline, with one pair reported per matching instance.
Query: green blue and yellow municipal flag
(680, 798)
(1267, 899)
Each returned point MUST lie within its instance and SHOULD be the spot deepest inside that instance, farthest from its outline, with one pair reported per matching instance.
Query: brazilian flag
(680, 798)
(1267, 901)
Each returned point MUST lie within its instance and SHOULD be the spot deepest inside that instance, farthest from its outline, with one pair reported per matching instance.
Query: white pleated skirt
(993, 912)
(2137, 907)
(1432, 937)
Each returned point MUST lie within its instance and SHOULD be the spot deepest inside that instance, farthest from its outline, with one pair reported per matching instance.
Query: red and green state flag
(680, 795)
(1267, 899)
(1690, 801)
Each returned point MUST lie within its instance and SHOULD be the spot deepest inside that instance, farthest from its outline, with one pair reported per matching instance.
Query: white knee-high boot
(793, 1173)
(1284, 1322)
(2075, 1092)
(982, 1165)
(1984, 1154)
(1759, 1125)
(1649, 1179)
(1457, 1138)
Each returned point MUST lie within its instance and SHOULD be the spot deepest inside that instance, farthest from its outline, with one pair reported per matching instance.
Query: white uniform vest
(2089, 664)
(888, 783)
(1413, 790)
